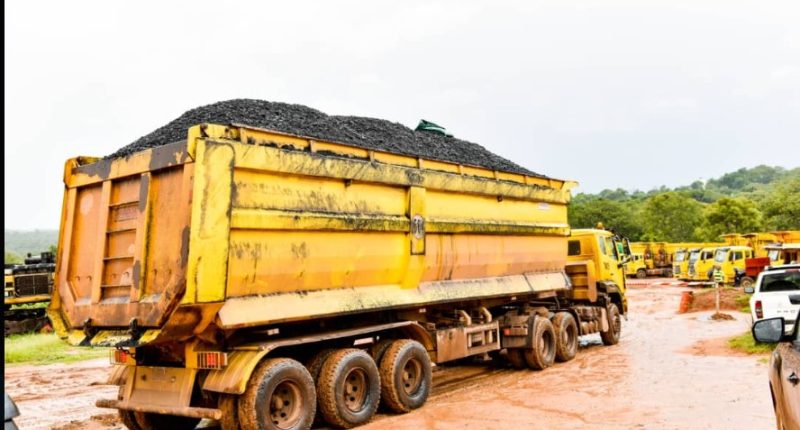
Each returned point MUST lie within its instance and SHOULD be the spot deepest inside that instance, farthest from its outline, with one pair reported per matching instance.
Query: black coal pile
(368, 133)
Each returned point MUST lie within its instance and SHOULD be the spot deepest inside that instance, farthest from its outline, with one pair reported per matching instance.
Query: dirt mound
(369, 133)
(730, 299)
(721, 316)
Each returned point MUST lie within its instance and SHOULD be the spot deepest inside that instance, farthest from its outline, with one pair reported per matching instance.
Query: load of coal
(369, 133)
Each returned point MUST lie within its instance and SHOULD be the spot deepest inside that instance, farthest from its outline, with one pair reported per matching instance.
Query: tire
(314, 366)
(128, 419)
(279, 395)
(611, 337)
(349, 388)
(543, 353)
(230, 414)
(379, 348)
(668, 273)
(566, 331)
(405, 376)
(153, 421)
(514, 356)
(641, 274)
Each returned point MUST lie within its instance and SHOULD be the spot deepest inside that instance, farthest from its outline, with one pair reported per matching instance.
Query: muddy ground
(669, 371)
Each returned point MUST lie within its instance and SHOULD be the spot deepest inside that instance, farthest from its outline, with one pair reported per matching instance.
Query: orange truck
(263, 279)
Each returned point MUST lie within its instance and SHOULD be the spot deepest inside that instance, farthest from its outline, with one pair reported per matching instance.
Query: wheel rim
(355, 390)
(412, 376)
(285, 405)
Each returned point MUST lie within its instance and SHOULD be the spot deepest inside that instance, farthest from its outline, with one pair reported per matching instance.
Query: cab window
(720, 256)
(601, 241)
(736, 255)
(574, 247)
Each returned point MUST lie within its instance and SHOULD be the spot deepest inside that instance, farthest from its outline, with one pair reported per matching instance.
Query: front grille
(32, 285)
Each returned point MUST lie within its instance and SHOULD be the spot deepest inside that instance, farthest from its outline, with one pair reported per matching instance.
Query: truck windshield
(693, 256)
(774, 255)
(787, 281)
(720, 256)
(680, 256)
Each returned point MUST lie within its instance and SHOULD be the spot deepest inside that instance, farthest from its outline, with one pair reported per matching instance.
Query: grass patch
(743, 302)
(46, 349)
(745, 343)
(37, 305)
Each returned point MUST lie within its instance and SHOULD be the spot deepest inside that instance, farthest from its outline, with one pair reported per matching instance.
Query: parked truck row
(271, 281)
(740, 257)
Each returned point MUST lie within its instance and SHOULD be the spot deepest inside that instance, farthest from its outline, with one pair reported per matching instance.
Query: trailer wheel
(314, 366)
(349, 388)
(543, 353)
(280, 395)
(566, 330)
(514, 356)
(230, 415)
(641, 274)
(153, 421)
(128, 419)
(405, 376)
(378, 349)
(611, 337)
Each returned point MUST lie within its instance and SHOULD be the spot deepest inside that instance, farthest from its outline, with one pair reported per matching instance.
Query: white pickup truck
(771, 295)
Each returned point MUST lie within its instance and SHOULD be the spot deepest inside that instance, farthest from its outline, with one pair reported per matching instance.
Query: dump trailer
(263, 279)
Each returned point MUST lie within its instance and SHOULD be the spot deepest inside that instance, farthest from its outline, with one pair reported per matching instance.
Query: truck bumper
(184, 411)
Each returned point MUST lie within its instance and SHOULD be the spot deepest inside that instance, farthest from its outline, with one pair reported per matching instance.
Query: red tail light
(212, 360)
(759, 310)
(121, 356)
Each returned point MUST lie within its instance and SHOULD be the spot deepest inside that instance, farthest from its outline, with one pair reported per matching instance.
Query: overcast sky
(630, 94)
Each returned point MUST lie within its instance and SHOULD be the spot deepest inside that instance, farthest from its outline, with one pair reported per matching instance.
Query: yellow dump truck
(731, 260)
(262, 279)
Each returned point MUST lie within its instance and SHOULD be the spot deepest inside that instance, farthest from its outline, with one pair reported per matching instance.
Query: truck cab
(605, 256)
(731, 260)
(681, 263)
(786, 253)
(636, 266)
(700, 264)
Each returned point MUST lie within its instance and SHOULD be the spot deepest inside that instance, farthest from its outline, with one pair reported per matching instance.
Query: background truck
(658, 257)
(26, 286)
(261, 279)
(636, 266)
(785, 250)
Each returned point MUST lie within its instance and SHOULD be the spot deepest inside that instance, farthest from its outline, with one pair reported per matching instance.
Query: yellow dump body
(240, 227)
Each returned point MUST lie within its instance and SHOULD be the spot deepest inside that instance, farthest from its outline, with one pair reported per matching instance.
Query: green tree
(730, 215)
(587, 212)
(12, 258)
(671, 217)
(782, 206)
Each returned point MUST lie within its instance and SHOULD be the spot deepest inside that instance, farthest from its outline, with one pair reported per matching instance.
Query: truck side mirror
(768, 330)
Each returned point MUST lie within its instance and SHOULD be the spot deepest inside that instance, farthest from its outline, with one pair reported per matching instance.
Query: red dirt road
(669, 371)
